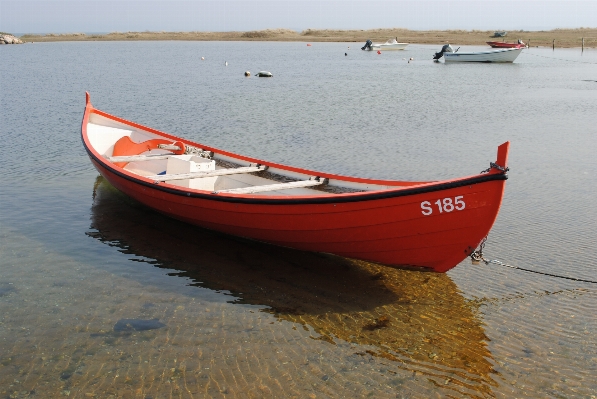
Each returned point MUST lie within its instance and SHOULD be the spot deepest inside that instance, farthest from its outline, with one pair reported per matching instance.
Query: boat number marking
(443, 205)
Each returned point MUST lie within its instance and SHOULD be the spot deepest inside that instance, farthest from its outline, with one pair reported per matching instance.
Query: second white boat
(391, 44)
(501, 55)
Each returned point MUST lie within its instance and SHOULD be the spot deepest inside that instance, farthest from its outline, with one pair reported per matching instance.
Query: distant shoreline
(561, 38)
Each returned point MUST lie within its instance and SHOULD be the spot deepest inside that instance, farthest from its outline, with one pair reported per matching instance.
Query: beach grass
(561, 38)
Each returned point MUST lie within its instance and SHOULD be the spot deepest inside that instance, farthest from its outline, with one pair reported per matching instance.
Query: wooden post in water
(553, 44)
(583, 45)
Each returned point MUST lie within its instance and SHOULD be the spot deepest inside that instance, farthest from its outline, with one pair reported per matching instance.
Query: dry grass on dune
(562, 37)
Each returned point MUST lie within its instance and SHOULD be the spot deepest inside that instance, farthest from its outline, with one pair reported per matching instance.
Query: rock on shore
(6, 38)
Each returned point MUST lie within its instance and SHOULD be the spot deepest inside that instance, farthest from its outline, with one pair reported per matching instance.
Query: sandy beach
(562, 38)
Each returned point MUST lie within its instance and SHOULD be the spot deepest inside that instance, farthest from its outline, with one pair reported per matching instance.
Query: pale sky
(69, 16)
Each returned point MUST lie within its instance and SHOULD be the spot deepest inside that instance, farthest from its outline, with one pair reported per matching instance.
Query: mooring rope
(477, 256)
(497, 262)
(560, 59)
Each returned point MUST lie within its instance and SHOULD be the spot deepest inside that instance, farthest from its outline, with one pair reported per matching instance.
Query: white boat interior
(216, 173)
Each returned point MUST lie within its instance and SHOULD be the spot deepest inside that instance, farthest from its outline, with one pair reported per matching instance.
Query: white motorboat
(501, 55)
(391, 44)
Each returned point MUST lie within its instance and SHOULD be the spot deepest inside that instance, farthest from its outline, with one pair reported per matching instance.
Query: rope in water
(497, 262)
(477, 256)
(559, 59)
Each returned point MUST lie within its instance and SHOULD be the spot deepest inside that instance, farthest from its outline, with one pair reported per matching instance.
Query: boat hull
(502, 55)
(431, 225)
(389, 47)
(506, 45)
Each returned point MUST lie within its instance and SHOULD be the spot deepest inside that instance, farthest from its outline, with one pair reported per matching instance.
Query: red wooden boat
(506, 45)
(432, 225)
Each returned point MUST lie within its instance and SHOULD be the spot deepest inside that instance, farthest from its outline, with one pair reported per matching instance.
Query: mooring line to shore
(477, 256)
(500, 263)
(560, 59)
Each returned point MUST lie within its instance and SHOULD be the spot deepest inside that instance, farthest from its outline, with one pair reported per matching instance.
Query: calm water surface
(248, 320)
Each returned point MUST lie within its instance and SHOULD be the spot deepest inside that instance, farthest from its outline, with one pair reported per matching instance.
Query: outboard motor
(446, 49)
(367, 45)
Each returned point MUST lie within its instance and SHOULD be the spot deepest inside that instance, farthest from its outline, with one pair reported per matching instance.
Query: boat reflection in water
(419, 321)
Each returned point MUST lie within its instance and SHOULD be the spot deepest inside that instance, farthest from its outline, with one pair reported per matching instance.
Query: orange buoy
(309, 44)
(378, 52)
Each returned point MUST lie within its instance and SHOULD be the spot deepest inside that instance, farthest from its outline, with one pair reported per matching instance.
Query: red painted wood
(506, 45)
(392, 231)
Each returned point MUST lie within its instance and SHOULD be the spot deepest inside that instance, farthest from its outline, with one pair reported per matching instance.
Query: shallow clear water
(245, 319)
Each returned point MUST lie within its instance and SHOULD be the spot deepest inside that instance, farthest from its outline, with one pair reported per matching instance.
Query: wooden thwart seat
(316, 181)
(211, 173)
